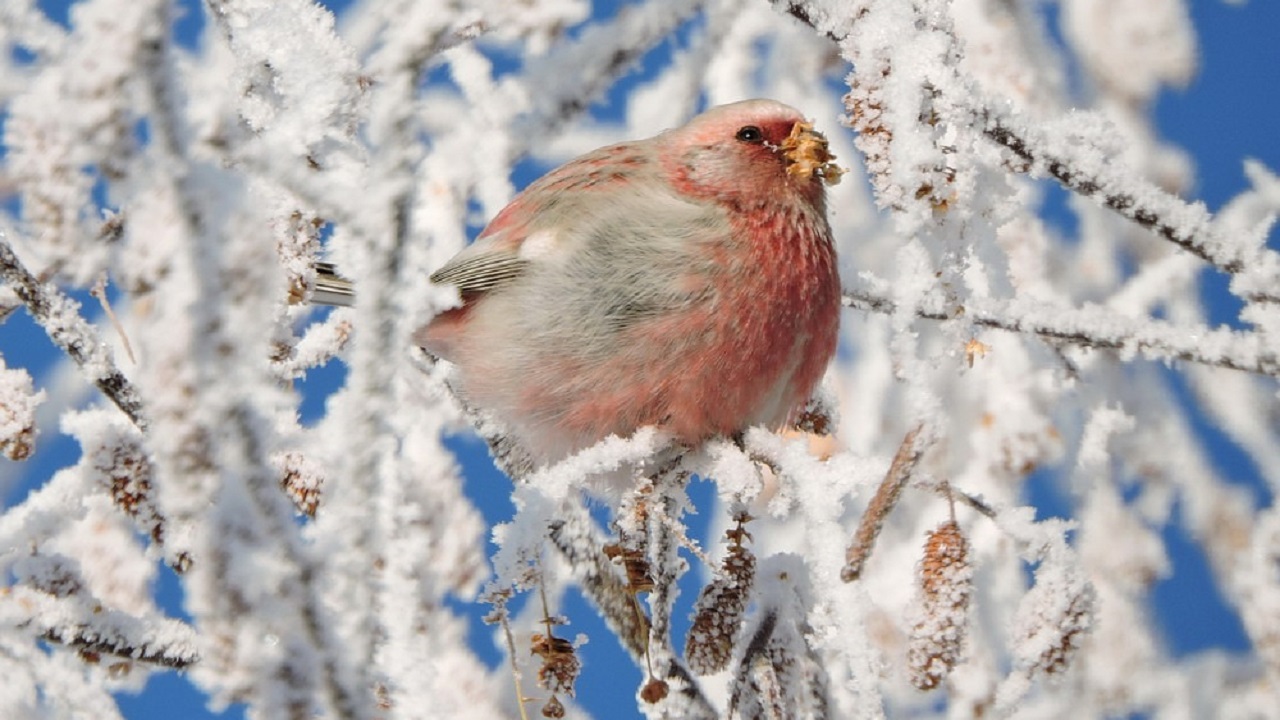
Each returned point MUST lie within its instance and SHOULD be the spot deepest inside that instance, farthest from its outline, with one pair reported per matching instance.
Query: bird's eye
(750, 134)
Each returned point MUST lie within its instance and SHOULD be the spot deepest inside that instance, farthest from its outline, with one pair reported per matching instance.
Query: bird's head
(755, 149)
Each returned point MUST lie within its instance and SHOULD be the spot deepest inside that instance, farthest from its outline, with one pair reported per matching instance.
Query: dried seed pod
(718, 612)
(553, 709)
(635, 563)
(654, 690)
(900, 471)
(946, 583)
(560, 664)
(807, 154)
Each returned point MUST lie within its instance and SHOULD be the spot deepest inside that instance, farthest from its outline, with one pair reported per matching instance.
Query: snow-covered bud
(18, 402)
(301, 479)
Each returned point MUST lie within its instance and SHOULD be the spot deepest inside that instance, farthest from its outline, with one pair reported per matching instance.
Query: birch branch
(81, 623)
(1187, 225)
(1095, 327)
(60, 317)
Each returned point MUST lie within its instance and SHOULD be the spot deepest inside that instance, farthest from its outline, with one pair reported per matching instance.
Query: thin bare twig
(99, 291)
(505, 620)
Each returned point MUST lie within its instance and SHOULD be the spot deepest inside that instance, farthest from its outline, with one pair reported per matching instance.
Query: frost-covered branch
(1094, 327)
(620, 42)
(1070, 160)
(295, 470)
(18, 401)
(1188, 225)
(86, 626)
(582, 545)
(60, 317)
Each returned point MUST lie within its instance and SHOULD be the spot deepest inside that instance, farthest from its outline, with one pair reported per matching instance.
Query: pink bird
(686, 281)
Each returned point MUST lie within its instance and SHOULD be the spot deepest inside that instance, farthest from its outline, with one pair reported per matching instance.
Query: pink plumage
(686, 281)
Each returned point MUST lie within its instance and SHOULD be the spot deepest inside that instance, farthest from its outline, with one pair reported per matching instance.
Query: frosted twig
(59, 316)
(581, 544)
(593, 63)
(84, 639)
(1150, 337)
(18, 401)
(504, 618)
(318, 345)
(952, 493)
(757, 653)
(83, 623)
(1189, 226)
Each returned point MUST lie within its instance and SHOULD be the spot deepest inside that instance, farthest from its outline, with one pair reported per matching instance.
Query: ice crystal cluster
(885, 559)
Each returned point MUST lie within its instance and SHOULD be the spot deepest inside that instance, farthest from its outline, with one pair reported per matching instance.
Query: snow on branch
(323, 562)
(18, 401)
(1064, 154)
(1190, 226)
(60, 317)
(1094, 327)
(80, 623)
(621, 42)
(582, 545)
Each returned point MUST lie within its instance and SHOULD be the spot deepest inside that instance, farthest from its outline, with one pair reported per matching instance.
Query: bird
(686, 281)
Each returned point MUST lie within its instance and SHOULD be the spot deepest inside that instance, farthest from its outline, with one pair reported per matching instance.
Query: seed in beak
(806, 153)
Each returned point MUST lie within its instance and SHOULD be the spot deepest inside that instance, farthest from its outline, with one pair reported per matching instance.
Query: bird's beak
(806, 153)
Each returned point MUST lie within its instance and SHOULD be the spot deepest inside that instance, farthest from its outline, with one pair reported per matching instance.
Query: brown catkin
(946, 584)
(886, 498)
(717, 615)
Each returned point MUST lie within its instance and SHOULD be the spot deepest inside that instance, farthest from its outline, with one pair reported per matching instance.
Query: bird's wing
(533, 226)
